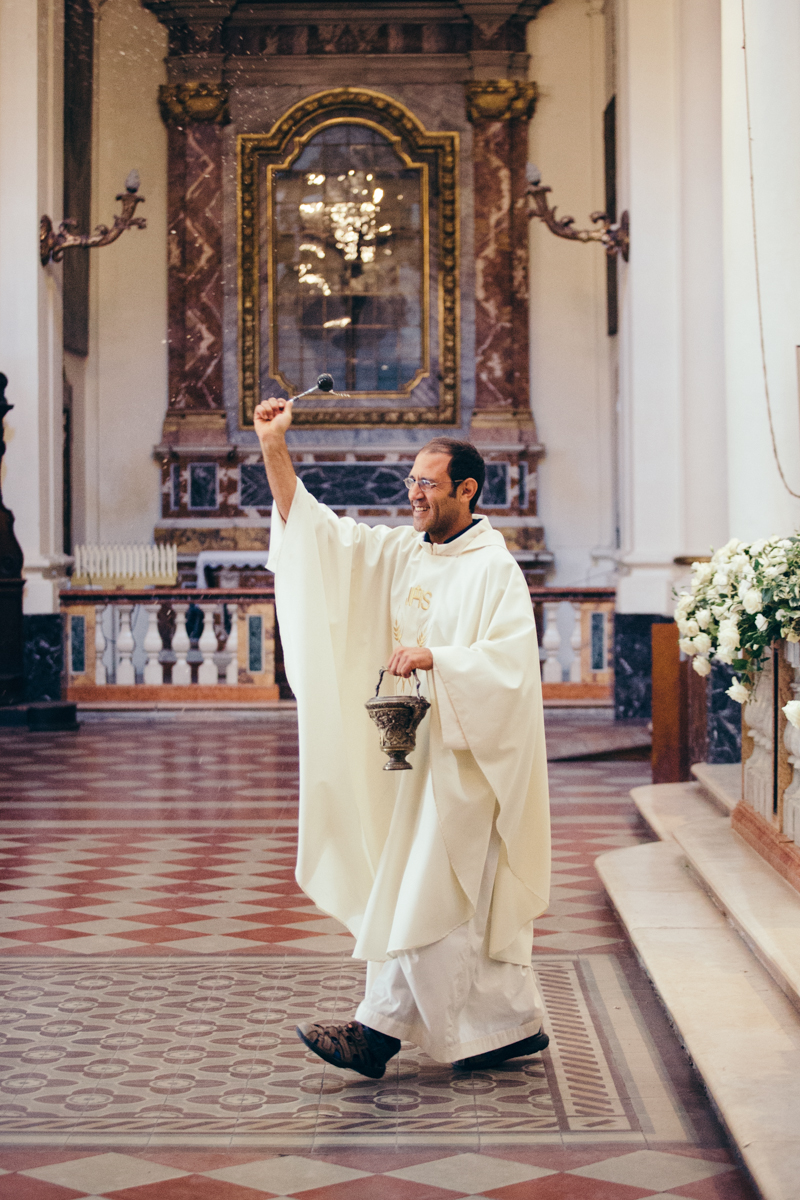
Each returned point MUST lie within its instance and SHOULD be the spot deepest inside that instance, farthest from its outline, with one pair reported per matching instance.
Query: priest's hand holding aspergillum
(271, 420)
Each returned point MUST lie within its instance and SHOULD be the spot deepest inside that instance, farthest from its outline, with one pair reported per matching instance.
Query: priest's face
(440, 511)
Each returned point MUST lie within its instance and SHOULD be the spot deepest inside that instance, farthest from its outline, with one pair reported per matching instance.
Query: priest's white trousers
(450, 998)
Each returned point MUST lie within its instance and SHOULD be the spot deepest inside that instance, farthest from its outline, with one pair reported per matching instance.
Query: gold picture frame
(433, 153)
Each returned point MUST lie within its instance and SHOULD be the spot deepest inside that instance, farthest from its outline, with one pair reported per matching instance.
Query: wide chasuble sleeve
(398, 856)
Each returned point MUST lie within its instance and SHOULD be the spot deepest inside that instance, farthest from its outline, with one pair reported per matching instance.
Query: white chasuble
(398, 856)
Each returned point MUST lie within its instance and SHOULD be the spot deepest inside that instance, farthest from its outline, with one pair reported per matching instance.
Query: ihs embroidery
(419, 597)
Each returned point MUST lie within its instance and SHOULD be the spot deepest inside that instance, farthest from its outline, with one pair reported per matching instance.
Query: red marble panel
(494, 366)
(195, 268)
(176, 191)
(520, 332)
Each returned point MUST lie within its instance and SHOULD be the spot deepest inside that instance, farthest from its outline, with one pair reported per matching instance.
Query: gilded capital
(193, 103)
(500, 99)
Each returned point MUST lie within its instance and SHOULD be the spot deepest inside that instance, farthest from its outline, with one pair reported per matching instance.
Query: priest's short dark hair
(465, 463)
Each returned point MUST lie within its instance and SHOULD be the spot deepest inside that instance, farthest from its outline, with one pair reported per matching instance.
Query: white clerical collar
(461, 542)
(446, 542)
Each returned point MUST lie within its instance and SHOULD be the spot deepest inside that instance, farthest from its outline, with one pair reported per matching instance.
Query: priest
(438, 872)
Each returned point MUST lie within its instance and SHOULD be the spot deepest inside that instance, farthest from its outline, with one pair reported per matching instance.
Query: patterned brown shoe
(353, 1046)
(493, 1058)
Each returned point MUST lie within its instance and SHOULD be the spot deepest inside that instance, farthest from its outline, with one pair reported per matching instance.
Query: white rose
(792, 711)
(752, 601)
(701, 572)
(720, 580)
(761, 622)
(686, 645)
(738, 692)
(691, 629)
(728, 634)
(701, 665)
(757, 547)
(702, 643)
(703, 617)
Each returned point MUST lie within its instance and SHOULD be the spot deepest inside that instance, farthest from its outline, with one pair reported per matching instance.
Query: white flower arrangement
(740, 602)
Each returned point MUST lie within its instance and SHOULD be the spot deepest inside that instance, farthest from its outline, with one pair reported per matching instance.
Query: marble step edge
(667, 806)
(763, 909)
(738, 1027)
(722, 782)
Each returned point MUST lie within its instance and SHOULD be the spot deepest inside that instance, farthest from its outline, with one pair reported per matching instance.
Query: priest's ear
(467, 490)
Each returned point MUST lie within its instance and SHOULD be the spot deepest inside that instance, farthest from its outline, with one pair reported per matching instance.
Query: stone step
(736, 1023)
(667, 806)
(722, 781)
(759, 904)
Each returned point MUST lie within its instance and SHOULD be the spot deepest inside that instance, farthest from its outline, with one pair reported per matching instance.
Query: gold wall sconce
(53, 243)
(613, 236)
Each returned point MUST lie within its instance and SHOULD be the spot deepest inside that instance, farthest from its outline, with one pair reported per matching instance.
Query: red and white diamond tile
(155, 953)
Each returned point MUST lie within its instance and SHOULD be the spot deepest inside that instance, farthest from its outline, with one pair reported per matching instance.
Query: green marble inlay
(598, 641)
(255, 644)
(77, 632)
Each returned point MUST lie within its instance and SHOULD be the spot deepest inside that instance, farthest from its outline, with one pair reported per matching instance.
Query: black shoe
(493, 1058)
(353, 1046)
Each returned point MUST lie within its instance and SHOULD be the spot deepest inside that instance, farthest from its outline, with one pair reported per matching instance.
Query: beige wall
(571, 387)
(120, 391)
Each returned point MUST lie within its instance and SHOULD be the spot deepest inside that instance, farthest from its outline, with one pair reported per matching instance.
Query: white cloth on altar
(450, 998)
(398, 872)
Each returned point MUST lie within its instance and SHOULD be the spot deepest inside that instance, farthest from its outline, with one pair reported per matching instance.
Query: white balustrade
(126, 675)
(758, 775)
(551, 641)
(129, 647)
(208, 672)
(576, 641)
(232, 647)
(153, 671)
(100, 678)
(181, 671)
(791, 740)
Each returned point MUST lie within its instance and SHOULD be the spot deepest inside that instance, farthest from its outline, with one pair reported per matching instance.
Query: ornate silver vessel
(397, 718)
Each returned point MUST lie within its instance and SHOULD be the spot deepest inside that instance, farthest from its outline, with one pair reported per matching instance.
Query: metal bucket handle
(380, 681)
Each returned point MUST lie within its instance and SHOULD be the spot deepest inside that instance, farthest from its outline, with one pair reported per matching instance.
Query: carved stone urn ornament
(397, 718)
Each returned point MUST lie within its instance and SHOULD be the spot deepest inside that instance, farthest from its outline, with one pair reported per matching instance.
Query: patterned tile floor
(155, 954)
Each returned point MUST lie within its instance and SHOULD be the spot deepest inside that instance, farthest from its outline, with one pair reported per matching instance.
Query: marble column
(31, 100)
(499, 111)
(761, 231)
(502, 424)
(672, 482)
(195, 246)
(194, 106)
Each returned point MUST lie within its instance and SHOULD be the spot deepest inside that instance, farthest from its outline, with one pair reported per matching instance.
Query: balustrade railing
(768, 815)
(170, 645)
(218, 644)
(576, 633)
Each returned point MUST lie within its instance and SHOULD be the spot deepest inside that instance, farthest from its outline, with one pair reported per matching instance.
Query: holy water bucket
(397, 718)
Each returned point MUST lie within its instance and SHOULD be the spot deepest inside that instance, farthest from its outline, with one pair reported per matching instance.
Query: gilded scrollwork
(199, 102)
(500, 100)
(437, 152)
